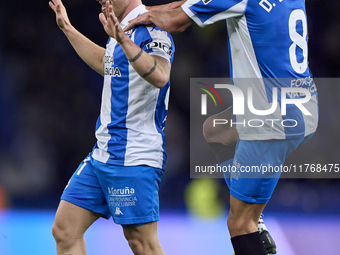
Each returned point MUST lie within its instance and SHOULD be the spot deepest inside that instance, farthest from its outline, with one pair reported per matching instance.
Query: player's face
(103, 4)
(119, 6)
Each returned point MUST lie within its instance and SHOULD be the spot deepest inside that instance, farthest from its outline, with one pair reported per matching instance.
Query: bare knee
(219, 133)
(62, 234)
(208, 129)
(143, 240)
(67, 237)
(138, 243)
(136, 246)
(57, 232)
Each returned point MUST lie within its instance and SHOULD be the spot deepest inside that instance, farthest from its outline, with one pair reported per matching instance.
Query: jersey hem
(249, 199)
(257, 137)
(122, 163)
(140, 220)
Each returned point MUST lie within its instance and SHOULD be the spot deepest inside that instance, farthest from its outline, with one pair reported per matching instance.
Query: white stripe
(102, 134)
(311, 120)
(144, 143)
(84, 164)
(245, 65)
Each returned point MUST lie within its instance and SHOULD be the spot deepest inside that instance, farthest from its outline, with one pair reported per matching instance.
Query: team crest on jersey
(129, 32)
(206, 1)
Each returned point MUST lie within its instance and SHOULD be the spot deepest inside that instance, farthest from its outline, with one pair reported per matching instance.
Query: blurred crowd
(50, 100)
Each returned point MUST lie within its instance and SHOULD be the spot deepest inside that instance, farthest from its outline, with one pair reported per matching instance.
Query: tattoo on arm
(151, 70)
(136, 57)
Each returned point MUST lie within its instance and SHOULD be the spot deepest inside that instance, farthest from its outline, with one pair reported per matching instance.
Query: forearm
(154, 69)
(91, 53)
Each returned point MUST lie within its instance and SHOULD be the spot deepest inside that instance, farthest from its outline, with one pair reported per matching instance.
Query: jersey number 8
(298, 40)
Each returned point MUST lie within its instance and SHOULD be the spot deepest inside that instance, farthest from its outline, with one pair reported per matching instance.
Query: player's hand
(143, 19)
(61, 14)
(111, 24)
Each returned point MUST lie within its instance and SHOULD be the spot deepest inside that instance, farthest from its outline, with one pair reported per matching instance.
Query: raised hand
(61, 14)
(111, 24)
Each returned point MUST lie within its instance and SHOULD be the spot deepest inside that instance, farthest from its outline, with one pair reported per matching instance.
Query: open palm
(111, 24)
(61, 14)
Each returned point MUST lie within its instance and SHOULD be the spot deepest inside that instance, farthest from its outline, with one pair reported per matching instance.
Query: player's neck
(133, 4)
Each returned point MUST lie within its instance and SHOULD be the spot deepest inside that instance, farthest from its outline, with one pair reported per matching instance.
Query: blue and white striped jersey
(129, 130)
(267, 41)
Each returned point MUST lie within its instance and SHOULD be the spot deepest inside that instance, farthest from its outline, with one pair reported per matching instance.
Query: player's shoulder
(151, 30)
(150, 33)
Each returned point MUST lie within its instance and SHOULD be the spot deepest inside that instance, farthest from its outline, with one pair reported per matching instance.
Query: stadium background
(49, 102)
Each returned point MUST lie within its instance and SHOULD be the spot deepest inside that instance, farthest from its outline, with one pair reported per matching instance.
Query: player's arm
(170, 20)
(154, 69)
(91, 53)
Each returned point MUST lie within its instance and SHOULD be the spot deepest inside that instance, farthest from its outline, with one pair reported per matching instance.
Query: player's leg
(69, 226)
(143, 240)
(243, 217)
(251, 190)
(242, 224)
(221, 138)
(82, 203)
(132, 195)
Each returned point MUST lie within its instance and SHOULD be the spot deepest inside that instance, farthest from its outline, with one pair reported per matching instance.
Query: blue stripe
(119, 108)
(160, 117)
(142, 38)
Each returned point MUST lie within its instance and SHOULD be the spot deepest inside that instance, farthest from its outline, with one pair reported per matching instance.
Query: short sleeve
(158, 43)
(205, 12)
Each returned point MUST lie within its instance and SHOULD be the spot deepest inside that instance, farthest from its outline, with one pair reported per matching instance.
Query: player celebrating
(267, 42)
(121, 176)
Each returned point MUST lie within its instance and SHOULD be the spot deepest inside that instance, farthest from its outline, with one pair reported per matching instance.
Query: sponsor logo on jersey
(160, 45)
(118, 211)
(121, 192)
(119, 198)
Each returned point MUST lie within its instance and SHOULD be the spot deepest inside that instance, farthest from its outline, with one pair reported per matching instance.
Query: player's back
(273, 35)
(268, 44)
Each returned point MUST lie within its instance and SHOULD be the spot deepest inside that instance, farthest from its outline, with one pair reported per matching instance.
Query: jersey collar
(133, 14)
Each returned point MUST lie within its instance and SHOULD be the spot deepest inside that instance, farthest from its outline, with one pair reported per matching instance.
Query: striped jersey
(129, 130)
(268, 56)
